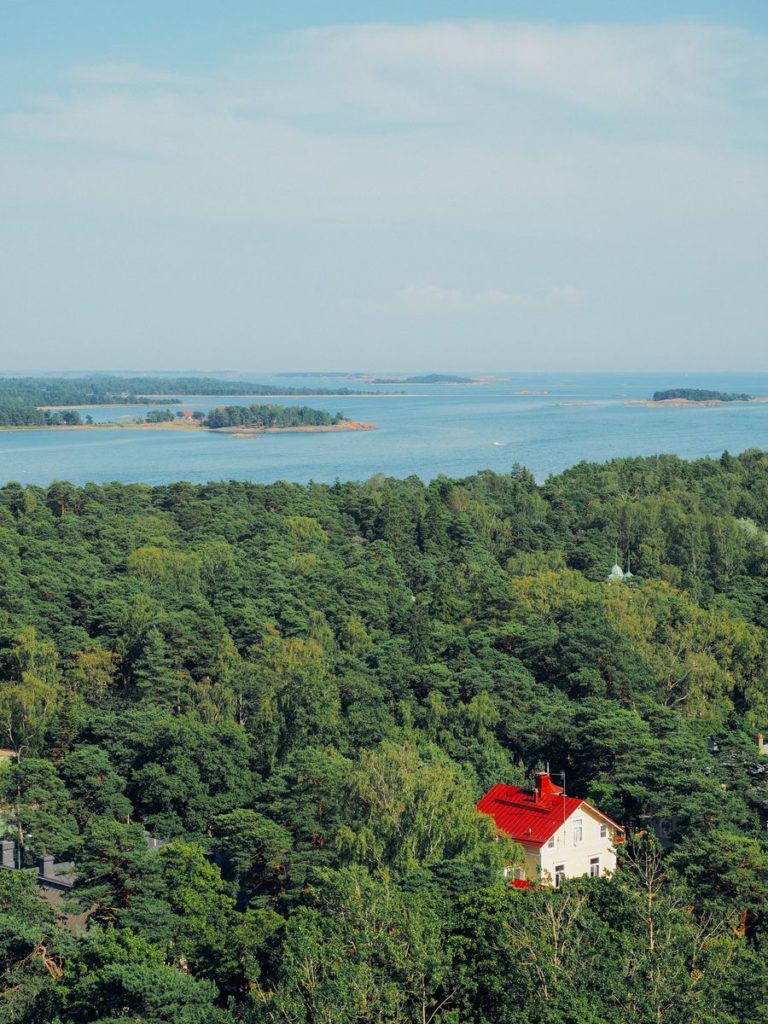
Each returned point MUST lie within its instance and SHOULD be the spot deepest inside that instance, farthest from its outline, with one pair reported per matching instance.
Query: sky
(387, 186)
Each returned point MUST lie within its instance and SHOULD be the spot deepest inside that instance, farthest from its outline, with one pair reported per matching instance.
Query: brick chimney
(545, 789)
(45, 866)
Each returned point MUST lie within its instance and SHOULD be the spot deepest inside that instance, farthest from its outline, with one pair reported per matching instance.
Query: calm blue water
(447, 429)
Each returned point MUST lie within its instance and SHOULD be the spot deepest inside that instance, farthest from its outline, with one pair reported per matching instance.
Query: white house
(562, 836)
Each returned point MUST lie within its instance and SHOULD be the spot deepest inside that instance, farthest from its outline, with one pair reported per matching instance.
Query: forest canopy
(301, 691)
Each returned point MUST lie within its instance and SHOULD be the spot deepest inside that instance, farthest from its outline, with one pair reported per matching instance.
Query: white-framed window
(551, 842)
(578, 830)
(519, 874)
(507, 871)
(603, 831)
(594, 867)
(559, 874)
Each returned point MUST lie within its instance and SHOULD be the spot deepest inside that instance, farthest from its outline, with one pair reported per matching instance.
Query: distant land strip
(115, 390)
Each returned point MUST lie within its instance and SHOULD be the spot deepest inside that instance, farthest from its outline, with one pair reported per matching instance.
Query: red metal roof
(519, 814)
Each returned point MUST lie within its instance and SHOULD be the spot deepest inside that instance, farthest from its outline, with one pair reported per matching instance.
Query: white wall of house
(583, 845)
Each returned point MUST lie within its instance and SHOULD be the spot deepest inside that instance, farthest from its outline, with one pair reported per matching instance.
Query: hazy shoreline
(149, 399)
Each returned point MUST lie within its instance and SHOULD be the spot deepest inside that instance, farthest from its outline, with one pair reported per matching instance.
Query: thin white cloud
(598, 66)
(128, 74)
(568, 293)
(432, 295)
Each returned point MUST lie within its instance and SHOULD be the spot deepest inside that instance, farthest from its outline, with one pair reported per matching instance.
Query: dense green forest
(700, 395)
(270, 416)
(305, 689)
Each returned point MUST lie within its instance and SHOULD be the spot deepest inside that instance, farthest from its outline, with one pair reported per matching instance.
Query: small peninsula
(241, 420)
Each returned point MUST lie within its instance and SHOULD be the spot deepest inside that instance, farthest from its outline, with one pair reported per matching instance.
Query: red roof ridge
(533, 816)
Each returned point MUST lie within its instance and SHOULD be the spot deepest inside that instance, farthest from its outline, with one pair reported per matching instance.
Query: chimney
(545, 789)
(45, 866)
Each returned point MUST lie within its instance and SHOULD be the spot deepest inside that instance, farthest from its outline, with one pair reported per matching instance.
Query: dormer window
(578, 830)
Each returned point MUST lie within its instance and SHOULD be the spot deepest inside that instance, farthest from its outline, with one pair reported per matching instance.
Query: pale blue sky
(418, 186)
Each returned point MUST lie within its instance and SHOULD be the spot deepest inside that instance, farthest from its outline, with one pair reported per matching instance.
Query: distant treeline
(270, 416)
(700, 395)
(108, 390)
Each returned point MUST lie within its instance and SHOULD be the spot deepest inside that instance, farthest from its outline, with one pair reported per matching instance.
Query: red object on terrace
(522, 883)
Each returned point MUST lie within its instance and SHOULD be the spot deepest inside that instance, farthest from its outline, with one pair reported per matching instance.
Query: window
(551, 843)
(594, 867)
(578, 830)
(559, 874)
(519, 874)
(603, 831)
(507, 871)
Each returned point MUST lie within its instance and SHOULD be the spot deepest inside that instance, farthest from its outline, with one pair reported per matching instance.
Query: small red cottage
(562, 836)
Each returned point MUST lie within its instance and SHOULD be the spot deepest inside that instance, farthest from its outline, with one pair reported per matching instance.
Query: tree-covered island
(699, 395)
(270, 417)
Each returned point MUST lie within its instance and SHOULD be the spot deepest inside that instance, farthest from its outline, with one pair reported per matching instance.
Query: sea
(544, 421)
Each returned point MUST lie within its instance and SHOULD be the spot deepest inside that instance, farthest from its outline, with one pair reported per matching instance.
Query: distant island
(428, 378)
(240, 418)
(698, 395)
